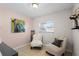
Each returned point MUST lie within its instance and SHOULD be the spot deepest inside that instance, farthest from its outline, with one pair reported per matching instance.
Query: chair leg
(36, 48)
(63, 54)
(30, 47)
(16, 54)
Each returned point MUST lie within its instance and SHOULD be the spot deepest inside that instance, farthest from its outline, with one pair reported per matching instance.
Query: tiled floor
(26, 51)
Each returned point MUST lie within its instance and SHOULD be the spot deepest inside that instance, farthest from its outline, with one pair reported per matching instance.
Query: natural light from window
(47, 26)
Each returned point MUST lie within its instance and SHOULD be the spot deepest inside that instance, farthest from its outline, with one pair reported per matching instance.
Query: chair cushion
(36, 43)
(37, 40)
(57, 42)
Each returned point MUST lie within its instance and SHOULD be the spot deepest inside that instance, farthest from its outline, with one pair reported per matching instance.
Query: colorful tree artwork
(17, 25)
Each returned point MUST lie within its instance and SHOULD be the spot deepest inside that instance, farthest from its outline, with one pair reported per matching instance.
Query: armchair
(5, 50)
(54, 50)
(37, 41)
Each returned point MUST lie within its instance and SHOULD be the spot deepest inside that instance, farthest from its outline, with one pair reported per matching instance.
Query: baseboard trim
(21, 46)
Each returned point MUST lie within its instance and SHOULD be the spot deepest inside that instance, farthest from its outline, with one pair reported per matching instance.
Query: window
(47, 26)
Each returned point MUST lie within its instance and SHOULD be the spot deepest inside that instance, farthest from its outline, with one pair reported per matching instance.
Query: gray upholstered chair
(5, 50)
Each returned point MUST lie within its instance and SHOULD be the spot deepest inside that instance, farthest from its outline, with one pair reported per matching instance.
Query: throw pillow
(57, 42)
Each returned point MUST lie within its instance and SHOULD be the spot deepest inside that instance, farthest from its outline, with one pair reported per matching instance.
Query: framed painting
(17, 25)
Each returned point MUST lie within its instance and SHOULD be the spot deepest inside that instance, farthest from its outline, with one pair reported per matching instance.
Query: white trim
(21, 46)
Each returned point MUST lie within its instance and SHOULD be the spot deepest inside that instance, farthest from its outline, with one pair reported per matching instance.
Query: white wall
(62, 25)
(75, 42)
(13, 39)
(75, 35)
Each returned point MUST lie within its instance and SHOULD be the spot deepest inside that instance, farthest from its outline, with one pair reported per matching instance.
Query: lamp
(34, 5)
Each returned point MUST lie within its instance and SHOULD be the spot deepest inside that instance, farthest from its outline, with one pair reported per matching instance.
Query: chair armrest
(54, 47)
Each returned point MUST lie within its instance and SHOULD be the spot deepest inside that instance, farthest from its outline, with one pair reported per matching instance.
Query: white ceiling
(43, 9)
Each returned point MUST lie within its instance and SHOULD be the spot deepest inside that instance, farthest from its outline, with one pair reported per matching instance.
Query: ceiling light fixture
(34, 5)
